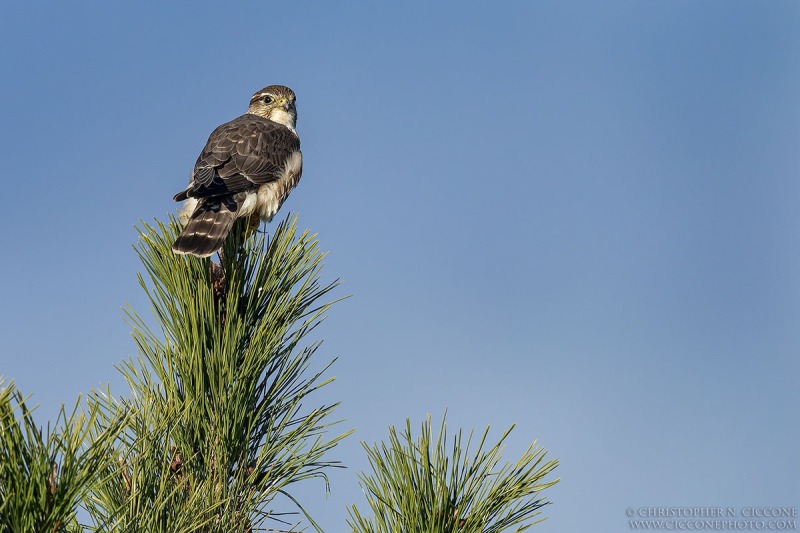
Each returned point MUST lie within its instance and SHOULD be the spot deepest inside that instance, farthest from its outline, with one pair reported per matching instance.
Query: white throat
(283, 117)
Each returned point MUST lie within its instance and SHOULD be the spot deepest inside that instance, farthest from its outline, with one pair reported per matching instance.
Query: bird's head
(275, 103)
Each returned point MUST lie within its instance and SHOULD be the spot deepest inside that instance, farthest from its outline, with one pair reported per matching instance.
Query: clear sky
(577, 217)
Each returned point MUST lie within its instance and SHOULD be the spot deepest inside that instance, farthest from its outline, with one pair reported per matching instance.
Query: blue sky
(579, 217)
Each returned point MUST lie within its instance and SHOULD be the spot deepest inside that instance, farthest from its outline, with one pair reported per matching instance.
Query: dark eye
(268, 99)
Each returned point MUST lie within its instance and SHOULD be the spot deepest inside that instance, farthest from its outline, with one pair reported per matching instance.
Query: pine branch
(43, 475)
(218, 387)
(419, 485)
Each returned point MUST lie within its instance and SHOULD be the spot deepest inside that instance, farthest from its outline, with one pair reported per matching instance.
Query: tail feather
(207, 228)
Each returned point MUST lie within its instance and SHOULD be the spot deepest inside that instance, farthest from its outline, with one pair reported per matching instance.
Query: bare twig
(52, 482)
(126, 476)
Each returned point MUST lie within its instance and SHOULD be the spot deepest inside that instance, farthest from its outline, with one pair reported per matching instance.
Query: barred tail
(207, 228)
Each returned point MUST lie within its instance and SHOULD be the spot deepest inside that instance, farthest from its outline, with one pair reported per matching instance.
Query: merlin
(247, 169)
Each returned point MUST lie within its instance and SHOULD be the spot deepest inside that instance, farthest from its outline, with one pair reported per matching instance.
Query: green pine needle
(44, 475)
(220, 386)
(425, 485)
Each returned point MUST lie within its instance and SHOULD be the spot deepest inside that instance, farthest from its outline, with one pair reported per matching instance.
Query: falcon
(247, 169)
